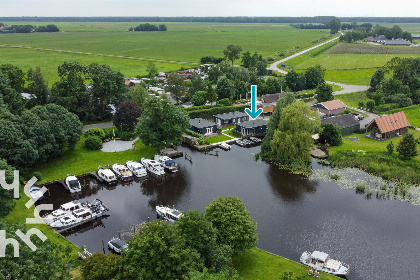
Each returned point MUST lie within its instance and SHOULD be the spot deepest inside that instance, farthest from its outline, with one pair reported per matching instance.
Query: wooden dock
(94, 174)
(172, 153)
(63, 183)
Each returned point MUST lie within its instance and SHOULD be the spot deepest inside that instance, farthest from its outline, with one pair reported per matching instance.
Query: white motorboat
(35, 192)
(123, 172)
(169, 214)
(137, 168)
(255, 140)
(322, 262)
(65, 209)
(224, 146)
(167, 163)
(117, 245)
(240, 143)
(73, 184)
(106, 175)
(88, 212)
(153, 166)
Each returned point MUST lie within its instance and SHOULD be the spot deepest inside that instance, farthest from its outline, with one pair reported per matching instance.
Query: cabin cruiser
(321, 261)
(73, 184)
(117, 245)
(224, 146)
(255, 139)
(88, 212)
(65, 209)
(153, 166)
(167, 163)
(137, 168)
(169, 214)
(106, 175)
(35, 192)
(123, 172)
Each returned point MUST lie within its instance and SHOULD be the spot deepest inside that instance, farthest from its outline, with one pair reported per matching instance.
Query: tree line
(364, 30)
(30, 28)
(148, 27)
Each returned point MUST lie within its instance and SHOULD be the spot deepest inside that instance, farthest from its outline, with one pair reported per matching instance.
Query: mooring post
(119, 235)
(103, 246)
(148, 219)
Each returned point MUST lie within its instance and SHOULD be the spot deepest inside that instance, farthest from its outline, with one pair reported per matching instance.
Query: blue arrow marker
(254, 113)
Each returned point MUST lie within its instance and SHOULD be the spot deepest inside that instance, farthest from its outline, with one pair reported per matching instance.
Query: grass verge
(258, 264)
(219, 138)
(352, 99)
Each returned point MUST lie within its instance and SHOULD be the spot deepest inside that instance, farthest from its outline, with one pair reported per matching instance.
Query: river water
(378, 238)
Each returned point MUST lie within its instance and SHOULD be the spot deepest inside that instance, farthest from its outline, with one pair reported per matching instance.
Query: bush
(361, 104)
(98, 132)
(225, 102)
(127, 135)
(236, 133)
(93, 143)
(37, 175)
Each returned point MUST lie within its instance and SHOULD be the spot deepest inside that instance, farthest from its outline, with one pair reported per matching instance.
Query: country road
(346, 88)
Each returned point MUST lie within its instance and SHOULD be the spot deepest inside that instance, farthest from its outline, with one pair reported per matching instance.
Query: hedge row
(208, 113)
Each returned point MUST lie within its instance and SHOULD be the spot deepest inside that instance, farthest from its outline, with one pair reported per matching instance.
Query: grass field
(363, 48)
(352, 99)
(183, 42)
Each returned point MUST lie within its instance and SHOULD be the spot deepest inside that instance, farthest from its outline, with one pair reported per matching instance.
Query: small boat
(117, 245)
(255, 139)
(321, 261)
(224, 146)
(153, 166)
(88, 212)
(123, 172)
(240, 143)
(137, 168)
(106, 175)
(167, 163)
(73, 184)
(65, 209)
(35, 192)
(247, 142)
(169, 214)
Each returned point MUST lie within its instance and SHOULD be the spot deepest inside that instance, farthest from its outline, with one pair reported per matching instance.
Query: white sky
(203, 8)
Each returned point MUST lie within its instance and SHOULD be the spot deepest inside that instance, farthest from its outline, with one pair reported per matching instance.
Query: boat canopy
(320, 256)
(170, 162)
(333, 264)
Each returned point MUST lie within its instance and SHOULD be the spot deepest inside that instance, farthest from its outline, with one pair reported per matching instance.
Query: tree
(324, 92)
(377, 79)
(12, 100)
(47, 262)
(37, 88)
(151, 69)
(293, 138)
(235, 226)
(261, 68)
(139, 94)
(314, 76)
(407, 147)
(126, 116)
(274, 121)
(6, 196)
(246, 59)
(331, 134)
(162, 123)
(390, 148)
(370, 105)
(158, 251)
(176, 86)
(225, 88)
(100, 266)
(232, 52)
(15, 75)
(162, 27)
(295, 81)
(197, 84)
(335, 25)
(199, 98)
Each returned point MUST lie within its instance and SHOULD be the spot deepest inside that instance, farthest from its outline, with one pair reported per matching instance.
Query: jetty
(94, 174)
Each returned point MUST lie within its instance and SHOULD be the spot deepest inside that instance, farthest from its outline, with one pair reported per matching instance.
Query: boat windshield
(74, 184)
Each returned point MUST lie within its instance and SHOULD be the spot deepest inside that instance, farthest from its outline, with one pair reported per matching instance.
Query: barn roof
(391, 122)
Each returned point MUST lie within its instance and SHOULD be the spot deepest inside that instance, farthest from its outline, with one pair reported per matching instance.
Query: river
(378, 238)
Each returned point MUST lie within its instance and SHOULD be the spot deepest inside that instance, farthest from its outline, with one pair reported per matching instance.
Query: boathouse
(203, 126)
(256, 127)
(388, 126)
(230, 118)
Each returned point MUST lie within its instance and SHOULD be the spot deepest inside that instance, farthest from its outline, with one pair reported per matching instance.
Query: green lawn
(81, 160)
(228, 127)
(352, 99)
(218, 138)
(257, 264)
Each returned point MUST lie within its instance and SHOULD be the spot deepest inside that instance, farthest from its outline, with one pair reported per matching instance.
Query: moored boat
(65, 209)
(224, 146)
(169, 214)
(322, 262)
(87, 213)
(117, 245)
(106, 175)
(167, 163)
(137, 168)
(73, 184)
(153, 166)
(123, 172)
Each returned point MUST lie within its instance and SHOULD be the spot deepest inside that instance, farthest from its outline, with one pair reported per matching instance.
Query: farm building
(347, 122)
(415, 36)
(397, 42)
(230, 118)
(333, 107)
(268, 102)
(256, 127)
(388, 126)
(203, 126)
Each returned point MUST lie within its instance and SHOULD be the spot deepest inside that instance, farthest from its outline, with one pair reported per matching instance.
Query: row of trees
(148, 27)
(334, 24)
(402, 88)
(30, 28)
(364, 30)
(309, 79)
(197, 246)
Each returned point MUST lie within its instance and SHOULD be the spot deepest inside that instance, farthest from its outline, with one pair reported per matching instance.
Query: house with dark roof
(388, 126)
(267, 102)
(380, 39)
(202, 126)
(397, 42)
(230, 118)
(347, 122)
(415, 36)
(333, 107)
(257, 127)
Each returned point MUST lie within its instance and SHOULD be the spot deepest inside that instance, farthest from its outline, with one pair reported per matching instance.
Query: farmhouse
(230, 118)
(256, 127)
(388, 126)
(268, 102)
(347, 122)
(333, 107)
(203, 126)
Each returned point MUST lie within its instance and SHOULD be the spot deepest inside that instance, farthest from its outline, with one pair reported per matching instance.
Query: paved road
(98, 125)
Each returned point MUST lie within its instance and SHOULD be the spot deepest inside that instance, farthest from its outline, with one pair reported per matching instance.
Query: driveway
(98, 125)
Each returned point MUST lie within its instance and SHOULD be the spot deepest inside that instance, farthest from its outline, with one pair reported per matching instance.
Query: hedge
(208, 113)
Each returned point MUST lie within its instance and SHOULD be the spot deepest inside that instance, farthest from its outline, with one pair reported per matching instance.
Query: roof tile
(392, 122)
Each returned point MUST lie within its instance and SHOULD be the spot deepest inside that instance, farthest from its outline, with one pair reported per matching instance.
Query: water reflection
(289, 187)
